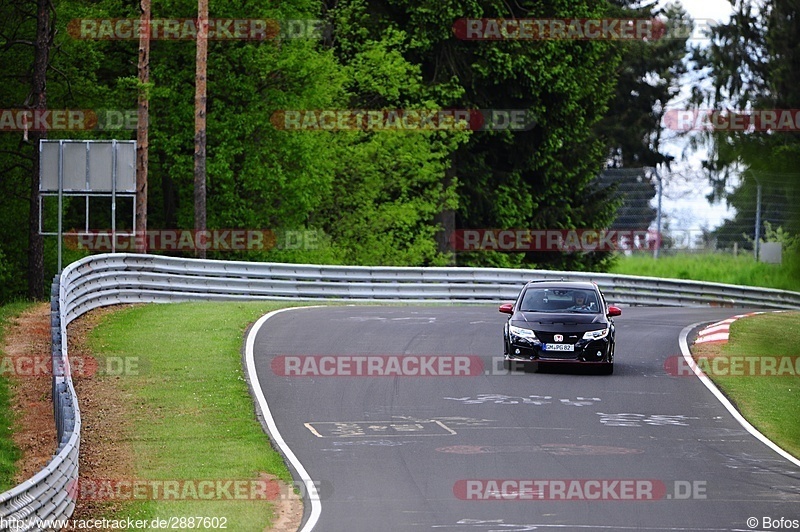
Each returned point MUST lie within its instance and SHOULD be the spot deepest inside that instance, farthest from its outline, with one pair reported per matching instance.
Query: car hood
(559, 322)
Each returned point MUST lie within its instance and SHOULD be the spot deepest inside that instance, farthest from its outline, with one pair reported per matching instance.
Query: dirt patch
(288, 510)
(106, 415)
(105, 446)
(28, 339)
(706, 350)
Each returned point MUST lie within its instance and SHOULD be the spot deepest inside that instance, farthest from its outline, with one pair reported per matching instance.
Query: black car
(559, 322)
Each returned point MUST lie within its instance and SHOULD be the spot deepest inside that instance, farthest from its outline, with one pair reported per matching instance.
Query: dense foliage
(368, 197)
(753, 64)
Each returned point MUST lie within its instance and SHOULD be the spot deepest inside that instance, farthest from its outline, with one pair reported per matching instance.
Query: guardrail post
(55, 351)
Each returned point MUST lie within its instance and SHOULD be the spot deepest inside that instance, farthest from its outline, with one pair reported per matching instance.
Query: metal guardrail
(110, 279)
(132, 277)
(47, 495)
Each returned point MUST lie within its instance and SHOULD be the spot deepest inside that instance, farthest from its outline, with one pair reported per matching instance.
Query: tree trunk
(446, 218)
(142, 124)
(200, 122)
(39, 93)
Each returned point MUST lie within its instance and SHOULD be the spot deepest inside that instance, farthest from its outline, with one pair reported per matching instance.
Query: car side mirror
(614, 311)
(507, 308)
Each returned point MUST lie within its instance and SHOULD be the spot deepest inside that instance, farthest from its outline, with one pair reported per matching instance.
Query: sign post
(86, 169)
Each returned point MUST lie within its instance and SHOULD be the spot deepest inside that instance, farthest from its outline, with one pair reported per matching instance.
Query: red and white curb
(687, 356)
(719, 331)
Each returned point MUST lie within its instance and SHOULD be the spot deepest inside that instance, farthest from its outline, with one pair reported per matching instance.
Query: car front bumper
(585, 352)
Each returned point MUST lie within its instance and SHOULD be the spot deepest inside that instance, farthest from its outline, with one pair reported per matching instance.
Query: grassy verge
(743, 270)
(770, 399)
(192, 417)
(9, 453)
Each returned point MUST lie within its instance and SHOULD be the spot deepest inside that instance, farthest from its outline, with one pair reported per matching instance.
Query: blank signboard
(88, 166)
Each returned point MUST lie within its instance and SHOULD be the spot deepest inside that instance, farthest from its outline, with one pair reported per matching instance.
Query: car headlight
(595, 335)
(519, 332)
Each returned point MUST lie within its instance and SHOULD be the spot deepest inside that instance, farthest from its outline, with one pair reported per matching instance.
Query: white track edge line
(687, 355)
(311, 489)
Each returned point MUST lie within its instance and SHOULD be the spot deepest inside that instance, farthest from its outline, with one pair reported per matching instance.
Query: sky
(684, 193)
(715, 9)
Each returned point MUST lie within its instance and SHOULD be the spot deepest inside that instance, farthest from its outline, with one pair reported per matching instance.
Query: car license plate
(559, 347)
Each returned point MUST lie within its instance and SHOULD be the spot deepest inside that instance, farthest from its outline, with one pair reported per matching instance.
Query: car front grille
(558, 355)
(547, 337)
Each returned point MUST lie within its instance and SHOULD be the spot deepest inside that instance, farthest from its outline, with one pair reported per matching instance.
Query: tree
(753, 62)
(44, 39)
(540, 178)
(75, 76)
(389, 194)
(143, 121)
(648, 77)
(200, 121)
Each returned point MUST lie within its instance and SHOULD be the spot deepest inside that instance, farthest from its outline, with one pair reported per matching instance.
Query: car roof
(563, 285)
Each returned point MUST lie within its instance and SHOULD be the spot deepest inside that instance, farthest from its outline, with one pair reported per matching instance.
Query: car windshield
(559, 300)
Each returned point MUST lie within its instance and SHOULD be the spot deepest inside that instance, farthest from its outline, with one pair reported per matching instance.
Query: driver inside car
(579, 302)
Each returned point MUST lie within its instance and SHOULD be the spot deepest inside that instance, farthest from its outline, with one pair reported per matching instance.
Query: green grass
(191, 414)
(770, 403)
(9, 453)
(742, 270)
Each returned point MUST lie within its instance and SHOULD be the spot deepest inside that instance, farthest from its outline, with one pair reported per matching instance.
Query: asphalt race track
(638, 450)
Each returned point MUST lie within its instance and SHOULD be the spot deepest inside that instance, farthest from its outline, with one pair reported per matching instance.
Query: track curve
(421, 452)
